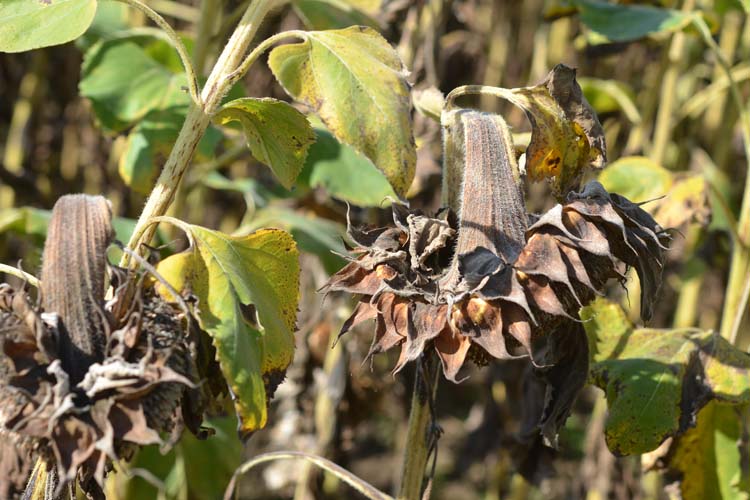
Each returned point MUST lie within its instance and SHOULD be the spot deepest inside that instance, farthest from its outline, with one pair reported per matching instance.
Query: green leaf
(28, 221)
(637, 178)
(355, 81)
(149, 143)
(622, 23)
(655, 381)
(229, 274)
(110, 18)
(153, 104)
(201, 468)
(333, 14)
(313, 234)
(32, 24)
(277, 134)
(707, 459)
(344, 173)
(125, 83)
(32, 221)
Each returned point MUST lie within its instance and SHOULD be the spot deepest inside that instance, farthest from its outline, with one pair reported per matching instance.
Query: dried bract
(474, 289)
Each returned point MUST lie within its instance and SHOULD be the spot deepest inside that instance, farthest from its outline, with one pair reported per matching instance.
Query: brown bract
(406, 276)
(79, 413)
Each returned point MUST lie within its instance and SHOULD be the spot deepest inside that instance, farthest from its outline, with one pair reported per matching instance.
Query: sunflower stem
(422, 429)
(197, 121)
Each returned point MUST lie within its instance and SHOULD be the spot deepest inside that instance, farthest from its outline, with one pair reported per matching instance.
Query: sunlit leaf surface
(247, 289)
(356, 83)
(278, 135)
(655, 380)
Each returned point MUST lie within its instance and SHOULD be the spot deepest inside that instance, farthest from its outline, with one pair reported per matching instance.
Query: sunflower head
(492, 281)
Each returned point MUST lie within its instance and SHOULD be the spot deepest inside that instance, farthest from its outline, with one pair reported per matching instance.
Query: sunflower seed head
(79, 385)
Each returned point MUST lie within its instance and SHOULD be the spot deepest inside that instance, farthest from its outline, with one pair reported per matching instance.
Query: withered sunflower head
(84, 381)
(493, 281)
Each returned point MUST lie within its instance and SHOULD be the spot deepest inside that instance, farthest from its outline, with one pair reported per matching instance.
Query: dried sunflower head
(493, 281)
(84, 381)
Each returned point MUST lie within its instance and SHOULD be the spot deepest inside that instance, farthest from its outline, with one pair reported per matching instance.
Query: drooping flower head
(483, 279)
(84, 380)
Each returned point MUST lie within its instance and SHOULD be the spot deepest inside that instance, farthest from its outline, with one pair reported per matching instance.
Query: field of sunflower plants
(384, 249)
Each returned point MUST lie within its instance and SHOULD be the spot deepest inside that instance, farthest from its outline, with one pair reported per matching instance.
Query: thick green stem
(198, 119)
(420, 433)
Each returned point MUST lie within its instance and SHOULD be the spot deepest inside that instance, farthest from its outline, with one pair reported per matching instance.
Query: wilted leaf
(622, 23)
(31, 24)
(228, 274)
(337, 14)
(344, 173)
(566, 136)
(655, 381)
(708, 459)
(357, 84)
(277, 134)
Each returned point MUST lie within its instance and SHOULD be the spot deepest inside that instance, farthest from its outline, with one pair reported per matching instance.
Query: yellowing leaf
(707, 460)
(228, 275)
(566, 136)
(687, 201)
(357, 84)
(656, 381)
(277, 134)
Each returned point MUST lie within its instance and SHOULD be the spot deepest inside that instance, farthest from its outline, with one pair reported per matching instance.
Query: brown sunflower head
(492, 281)
(84, 381)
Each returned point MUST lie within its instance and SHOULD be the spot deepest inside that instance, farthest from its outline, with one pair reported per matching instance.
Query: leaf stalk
(196, 123)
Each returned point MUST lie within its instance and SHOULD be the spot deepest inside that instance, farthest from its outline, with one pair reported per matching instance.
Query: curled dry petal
(508, 310)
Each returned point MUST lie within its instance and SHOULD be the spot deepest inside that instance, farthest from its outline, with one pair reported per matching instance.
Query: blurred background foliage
(99, 116)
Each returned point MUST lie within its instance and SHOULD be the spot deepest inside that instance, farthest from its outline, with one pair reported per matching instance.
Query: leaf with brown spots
(656, 381)
(277, 134)
(566, 136)
(357, 84)
(227, 273)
